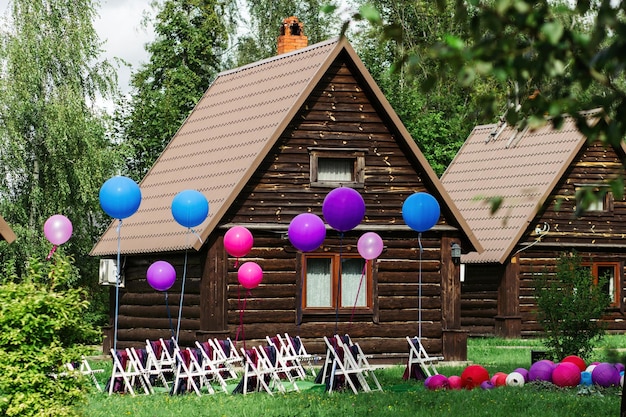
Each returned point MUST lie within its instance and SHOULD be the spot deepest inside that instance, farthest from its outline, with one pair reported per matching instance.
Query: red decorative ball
(498, 379)
(566, 374)
(473, 376)
(577, 360)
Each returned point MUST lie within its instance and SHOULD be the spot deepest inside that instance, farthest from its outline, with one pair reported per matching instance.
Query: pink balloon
(238, 241)
(370, 245)
(57, 229)
(250, 275)
(161, 275)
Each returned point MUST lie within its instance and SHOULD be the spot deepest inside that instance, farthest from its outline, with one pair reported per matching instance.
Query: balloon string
(236, 263)
(419, 287)
(169, 314)
(339, 283)
(356, 299)
(197, 235)
(182, 289)
(117, 284)
(54, 248)
(241, 313)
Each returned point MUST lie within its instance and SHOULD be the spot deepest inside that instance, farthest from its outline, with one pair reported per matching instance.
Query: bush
(569, 308)
(41, 323)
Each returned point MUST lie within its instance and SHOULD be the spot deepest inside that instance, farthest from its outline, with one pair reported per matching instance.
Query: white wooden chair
(286, 357)
(138, 361)
(188, 371)
(278, 369)
(125, 373)
(158, 365)
(228, 360)
(340, 362)
(420, 358)
(296, 345)
(82, 368)
(362, 361)
(255, 372)
(213, 368)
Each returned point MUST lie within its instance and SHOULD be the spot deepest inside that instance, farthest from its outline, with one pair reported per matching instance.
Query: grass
(399, 399)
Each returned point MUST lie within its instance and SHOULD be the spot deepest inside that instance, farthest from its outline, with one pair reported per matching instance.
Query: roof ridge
(277, 57)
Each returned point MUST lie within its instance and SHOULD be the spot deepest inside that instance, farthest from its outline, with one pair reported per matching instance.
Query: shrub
(569, 308)
(41, 322)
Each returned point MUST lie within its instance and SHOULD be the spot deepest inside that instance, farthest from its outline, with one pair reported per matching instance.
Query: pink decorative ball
(437, 382)
(455, 382)
(605, 375)
(577, 360)
(566, 374)
(473, 376)
(541, 371)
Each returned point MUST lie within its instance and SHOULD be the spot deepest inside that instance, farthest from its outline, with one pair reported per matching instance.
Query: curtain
(335, 169)
(352, 269)
(318, 282)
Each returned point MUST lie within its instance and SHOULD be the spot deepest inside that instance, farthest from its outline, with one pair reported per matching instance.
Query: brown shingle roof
(223, 141)
(522, 169)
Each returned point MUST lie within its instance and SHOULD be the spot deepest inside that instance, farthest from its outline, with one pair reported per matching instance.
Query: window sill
(336, 184)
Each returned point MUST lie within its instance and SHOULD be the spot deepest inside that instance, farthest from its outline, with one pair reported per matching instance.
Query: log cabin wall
(597, 236)
(479, 298)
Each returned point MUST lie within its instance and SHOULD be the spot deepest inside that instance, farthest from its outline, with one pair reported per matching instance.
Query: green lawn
(400, 398)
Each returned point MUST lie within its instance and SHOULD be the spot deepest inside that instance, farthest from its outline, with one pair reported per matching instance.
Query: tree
(55, 153)
(266, 17)
(441, 119)
(191, 39)
(570, 307)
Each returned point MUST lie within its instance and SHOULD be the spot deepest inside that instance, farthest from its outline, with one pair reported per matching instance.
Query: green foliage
(41, 322)
(569, 308)
(191, 38)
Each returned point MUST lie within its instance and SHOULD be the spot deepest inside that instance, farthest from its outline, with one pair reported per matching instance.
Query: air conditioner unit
(107, 274)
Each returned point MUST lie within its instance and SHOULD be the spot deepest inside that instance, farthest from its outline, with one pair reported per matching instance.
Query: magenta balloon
(57, 229)
(238, 241)
(161, 275)
(370, 245)
(343, 209)
(306, 232)
(250, 275)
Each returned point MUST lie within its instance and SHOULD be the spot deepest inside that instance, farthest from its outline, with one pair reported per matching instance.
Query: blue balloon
(120, 197)
(190, 208)
(420, 211)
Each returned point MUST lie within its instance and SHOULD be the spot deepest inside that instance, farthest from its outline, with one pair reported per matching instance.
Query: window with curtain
(336, 167)
(323, 289)
(610, 271)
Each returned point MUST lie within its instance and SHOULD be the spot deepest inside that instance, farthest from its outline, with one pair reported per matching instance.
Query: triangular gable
(225, 138)
(522, 168)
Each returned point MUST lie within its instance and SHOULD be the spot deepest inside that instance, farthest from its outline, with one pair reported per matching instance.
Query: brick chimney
(291, 36)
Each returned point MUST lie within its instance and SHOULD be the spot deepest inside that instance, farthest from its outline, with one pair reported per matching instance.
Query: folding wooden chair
(362, 361)
(125, 373)
(158, 365)
(188, 371)
(278, 369)
(138, 357)
(82, 368)
(420, 365)
(254, 375)
(341, 367)
(297, 346)
(214, 369)
(286, 357)
(222, 352)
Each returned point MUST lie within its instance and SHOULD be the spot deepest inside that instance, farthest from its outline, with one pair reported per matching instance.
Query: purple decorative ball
(487, 385)
(523, 372)
(566, 374)
(541, 371)
(605, 375)
(619, 367)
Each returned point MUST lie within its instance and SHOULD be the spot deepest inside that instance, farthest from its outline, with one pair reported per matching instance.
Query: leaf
(370, 13)
(328, 8)
(454, 42)
(553, 31)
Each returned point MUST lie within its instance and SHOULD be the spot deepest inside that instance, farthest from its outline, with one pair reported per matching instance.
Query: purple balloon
(306, 232)
(370, 245)
(343, 209)
(161, 275)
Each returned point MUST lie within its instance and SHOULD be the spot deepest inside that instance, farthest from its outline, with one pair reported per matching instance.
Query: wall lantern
(455, 253)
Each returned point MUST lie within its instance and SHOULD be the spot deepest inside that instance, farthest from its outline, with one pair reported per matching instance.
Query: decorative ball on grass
(541, 371)
(437, 382)
(619, 367)
(585, 378)
(523, 372)
(473, 376)
(455, 382)
(499, 379)
(487, 385)
(577, 360)
(427, 381)
(621, 379)
(566, 374)
(605, 375)
(515, 379)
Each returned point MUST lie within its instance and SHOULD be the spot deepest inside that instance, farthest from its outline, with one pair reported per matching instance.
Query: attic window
(337, 167)
(593, 199)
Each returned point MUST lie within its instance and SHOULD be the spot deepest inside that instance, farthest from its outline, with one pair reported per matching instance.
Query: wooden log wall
(479, 299)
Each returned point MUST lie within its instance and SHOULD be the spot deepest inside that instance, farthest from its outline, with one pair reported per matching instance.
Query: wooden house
(538, 174)
(265, 143)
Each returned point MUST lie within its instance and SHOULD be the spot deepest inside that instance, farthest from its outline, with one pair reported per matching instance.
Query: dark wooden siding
(479, 298)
